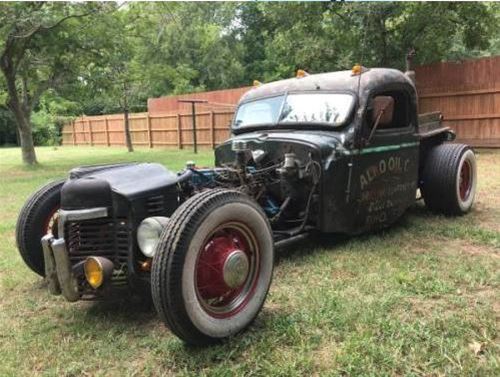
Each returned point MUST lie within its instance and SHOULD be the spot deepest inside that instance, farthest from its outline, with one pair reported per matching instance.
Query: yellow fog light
(94, 272)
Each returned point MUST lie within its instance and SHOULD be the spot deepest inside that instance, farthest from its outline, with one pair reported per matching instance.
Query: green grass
(412, 300)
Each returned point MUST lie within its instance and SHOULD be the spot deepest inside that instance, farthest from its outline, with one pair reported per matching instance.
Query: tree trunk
(27, 147)
(128, 138)
(21, 111)
(24, 131)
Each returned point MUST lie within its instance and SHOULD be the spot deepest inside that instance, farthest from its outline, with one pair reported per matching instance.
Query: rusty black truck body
(342, 152)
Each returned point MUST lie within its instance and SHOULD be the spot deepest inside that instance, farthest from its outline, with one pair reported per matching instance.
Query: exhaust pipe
(409, 66)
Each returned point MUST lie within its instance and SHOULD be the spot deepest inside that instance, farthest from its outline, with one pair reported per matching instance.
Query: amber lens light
(301, 73)
(356, 70)
(93, 272)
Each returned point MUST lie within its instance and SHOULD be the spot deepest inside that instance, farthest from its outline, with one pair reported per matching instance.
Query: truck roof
(331, 81)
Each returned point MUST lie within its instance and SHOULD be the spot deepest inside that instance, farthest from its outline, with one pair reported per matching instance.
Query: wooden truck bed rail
(431, 124)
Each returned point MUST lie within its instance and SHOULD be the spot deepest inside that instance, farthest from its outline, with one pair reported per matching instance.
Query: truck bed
(431, 124)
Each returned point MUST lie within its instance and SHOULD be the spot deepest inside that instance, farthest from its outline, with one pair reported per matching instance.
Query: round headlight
(148, 234)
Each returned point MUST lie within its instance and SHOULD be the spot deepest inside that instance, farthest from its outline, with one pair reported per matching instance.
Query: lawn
(421, 298)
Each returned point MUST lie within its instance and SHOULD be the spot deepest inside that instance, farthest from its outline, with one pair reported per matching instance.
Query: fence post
(212, 128)
(106, 128)
(150, 139)
(179, 135)
(90, 133)
(73, 135)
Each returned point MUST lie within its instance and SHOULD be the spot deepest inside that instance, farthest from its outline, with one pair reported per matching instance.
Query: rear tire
(449, 179)
(34, 222)
(213, 266)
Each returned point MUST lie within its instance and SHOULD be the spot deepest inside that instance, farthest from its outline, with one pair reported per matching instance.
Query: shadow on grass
(138, 319)
(124, 309)
(139, 309)
(137, 314)
(331, 241)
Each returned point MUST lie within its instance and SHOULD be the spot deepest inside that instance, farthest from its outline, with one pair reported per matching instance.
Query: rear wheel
(36, 219)
(213, 266)
(449, 179)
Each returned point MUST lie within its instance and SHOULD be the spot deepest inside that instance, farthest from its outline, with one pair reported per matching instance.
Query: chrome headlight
(148, 234)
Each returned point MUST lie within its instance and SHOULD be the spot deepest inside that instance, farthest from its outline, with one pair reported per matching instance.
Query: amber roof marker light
(301, 73)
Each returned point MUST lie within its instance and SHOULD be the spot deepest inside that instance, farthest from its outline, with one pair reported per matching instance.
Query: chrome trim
(58, 269)
(79, 214)
(65, 276)
(50, 265)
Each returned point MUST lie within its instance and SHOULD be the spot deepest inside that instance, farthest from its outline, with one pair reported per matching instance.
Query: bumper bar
(58, 271)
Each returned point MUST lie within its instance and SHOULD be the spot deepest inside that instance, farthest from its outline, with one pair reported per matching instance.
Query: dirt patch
(469, 248)
(487, 203)
(486, 295)
(425, 306)
(418, 246)
(324, 356)
(487, 212)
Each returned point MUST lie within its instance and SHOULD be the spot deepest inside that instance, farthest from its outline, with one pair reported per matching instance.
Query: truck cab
(360, 126)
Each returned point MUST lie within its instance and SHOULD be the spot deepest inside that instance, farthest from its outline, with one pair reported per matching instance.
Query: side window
(398, 102)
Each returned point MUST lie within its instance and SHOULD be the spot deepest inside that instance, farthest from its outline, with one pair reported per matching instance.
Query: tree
(38, 45)
(104, 60)
(330, 36)
(186, 47)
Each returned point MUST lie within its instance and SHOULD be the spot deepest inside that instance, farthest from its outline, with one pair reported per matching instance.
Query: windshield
(325, 108)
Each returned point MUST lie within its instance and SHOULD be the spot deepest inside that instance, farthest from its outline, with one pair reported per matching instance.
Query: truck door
(385, 168)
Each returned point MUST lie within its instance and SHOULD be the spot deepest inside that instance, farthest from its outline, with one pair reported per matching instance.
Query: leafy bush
(7, 127)
(50, 117)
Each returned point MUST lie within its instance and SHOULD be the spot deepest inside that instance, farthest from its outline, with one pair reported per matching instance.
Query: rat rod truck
(342, 152)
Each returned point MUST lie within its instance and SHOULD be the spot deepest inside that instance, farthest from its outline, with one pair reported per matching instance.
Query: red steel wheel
(227, 270)
(465, 180)
(50, 223)
(213, 266)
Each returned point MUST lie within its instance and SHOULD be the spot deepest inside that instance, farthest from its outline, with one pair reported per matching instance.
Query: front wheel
(213, 266)
(35, 220)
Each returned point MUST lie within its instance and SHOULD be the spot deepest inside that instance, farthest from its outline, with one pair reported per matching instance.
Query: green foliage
(7, 128)
(50, 117)
(151, 49)
(324, 37)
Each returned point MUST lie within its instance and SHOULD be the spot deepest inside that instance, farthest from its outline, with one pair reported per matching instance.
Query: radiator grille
(105, 237)
(155, 205)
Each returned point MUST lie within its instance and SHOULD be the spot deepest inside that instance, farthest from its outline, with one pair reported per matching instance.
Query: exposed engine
(284, 185)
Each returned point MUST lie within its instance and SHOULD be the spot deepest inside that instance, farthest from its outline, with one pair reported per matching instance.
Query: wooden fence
(216, 100)
(468, 94)
(149, 130)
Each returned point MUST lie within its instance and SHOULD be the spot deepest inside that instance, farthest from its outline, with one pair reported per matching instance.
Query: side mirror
(382, 114)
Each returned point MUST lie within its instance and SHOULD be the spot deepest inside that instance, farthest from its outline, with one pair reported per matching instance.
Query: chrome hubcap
(235, 269)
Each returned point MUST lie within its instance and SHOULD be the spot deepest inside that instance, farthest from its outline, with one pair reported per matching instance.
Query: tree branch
(41, 28)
